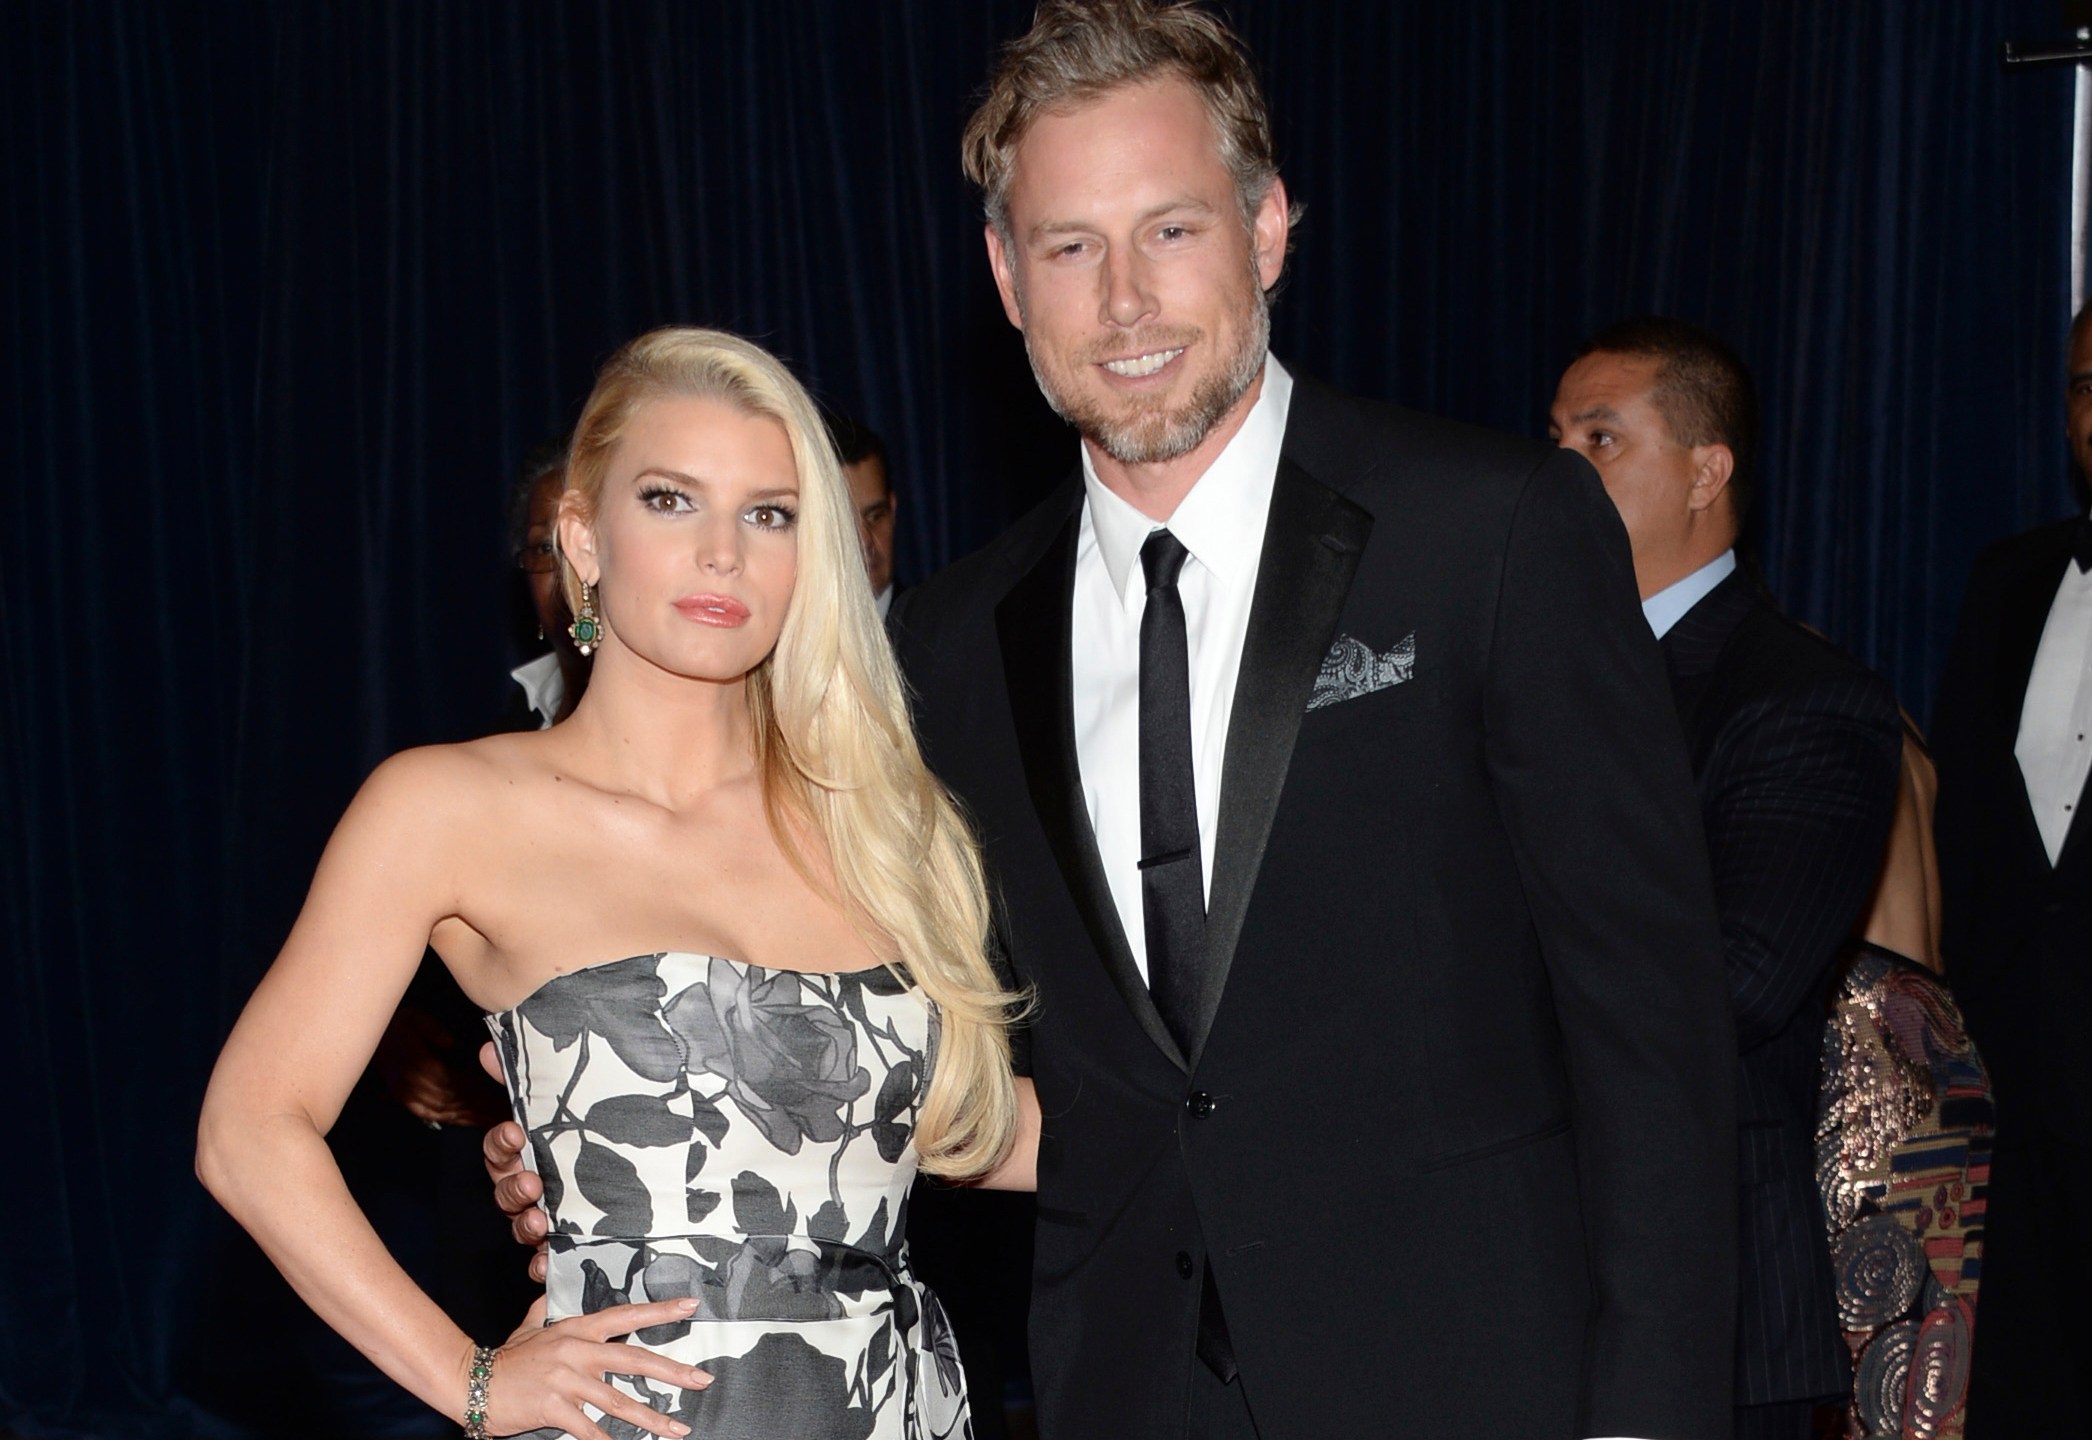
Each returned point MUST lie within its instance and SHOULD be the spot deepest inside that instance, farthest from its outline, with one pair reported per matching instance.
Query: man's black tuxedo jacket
(2016, 931)
(2017, 941)
(1796, 749)
(1457, 1140)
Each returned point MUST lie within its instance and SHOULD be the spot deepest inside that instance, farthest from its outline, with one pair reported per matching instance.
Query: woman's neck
(663, 737)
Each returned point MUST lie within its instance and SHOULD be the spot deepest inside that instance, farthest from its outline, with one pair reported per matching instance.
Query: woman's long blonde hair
(834, 745)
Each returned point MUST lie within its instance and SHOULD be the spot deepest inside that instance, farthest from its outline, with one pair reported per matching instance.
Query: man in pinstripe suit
(1795, 749)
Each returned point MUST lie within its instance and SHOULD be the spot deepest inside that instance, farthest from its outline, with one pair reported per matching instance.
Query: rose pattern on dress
(790, 1066)
(742, 1135)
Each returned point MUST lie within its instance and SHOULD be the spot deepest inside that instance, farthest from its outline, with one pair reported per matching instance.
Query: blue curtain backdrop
(290, 287)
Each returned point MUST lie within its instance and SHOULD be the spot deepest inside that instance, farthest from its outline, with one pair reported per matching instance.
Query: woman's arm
(1903, 915)
(388, 876)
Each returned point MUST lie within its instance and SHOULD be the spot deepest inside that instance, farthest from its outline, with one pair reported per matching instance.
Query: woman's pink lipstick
(721, 610)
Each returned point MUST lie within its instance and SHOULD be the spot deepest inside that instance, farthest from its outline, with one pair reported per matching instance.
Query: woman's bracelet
(476, 1391)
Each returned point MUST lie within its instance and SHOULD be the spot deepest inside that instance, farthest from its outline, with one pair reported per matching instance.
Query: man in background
(2012, 733)
(551, 683)
(1795, 752)
(871, 496)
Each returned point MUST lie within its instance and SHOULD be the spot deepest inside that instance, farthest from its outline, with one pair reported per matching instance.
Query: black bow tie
(2083, 552)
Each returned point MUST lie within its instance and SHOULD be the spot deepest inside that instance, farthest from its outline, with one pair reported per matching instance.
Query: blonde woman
(730, 933)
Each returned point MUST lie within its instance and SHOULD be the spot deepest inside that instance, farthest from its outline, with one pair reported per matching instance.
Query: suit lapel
(1693, 647)
(1032, 624)
(2074, 860)
(2032, 597)
(1312, 542)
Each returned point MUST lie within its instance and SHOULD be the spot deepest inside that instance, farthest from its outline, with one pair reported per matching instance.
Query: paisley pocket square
(1352, 669)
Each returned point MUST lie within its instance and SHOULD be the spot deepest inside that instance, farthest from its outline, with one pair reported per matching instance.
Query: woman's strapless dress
(709, 1128)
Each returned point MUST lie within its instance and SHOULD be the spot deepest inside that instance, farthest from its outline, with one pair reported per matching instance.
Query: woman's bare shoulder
(430, 782)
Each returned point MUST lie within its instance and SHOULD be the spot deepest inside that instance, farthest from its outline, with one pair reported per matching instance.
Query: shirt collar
(1221, 520)
(1668, 606)
(544, 688)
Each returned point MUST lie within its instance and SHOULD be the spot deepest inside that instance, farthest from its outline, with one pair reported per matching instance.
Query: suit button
(1184, 1263)
(1199, 1103)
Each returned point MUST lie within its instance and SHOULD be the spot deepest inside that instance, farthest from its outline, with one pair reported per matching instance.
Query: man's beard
(1152, 434)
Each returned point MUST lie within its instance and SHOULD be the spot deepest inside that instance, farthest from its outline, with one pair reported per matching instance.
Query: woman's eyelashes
(663, 499)
(764, 514)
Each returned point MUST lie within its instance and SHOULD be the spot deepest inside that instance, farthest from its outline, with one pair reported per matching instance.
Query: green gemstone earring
(587, 627)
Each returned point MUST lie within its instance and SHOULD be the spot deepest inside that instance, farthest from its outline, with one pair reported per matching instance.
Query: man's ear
(1712, 465)
(577, 538)
(999, 260)
(1268, 233)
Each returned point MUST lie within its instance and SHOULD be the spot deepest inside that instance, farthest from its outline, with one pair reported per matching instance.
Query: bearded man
(1329, 779)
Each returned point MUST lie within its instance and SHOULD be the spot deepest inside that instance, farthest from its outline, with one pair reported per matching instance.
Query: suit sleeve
(1798, 814)
(1591, 777)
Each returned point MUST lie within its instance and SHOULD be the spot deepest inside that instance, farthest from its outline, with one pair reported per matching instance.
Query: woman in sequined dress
(1903, 1148)
(732, 936)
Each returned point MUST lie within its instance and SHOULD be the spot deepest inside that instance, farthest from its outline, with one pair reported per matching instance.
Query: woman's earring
(587, 628)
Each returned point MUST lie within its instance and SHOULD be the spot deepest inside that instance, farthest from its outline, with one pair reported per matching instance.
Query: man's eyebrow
(1596, 412)
(1182, 202)
(1047, 228)
(2081, 377)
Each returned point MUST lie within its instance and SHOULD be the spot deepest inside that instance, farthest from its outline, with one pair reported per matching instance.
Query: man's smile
(1137, 366)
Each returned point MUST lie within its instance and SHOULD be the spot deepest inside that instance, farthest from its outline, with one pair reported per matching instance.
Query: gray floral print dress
(709, 1128)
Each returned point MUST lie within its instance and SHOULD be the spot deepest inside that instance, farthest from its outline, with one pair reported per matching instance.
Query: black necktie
(1172, 871)
(1172, 875)
(2083, 554)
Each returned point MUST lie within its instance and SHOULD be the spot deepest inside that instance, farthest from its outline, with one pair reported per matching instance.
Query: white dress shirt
(1221, 522)
(884, 600)
(2054, 756)
(1668, 606)
(544, 687)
